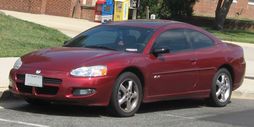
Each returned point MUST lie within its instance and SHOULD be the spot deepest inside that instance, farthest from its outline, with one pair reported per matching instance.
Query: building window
(251, 2)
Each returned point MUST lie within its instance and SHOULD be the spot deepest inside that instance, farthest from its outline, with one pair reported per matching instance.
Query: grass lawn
(234, 35)
(18, 37)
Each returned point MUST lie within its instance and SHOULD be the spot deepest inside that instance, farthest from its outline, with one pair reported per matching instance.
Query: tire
(36, 102)
(221, 88)
(125, 100)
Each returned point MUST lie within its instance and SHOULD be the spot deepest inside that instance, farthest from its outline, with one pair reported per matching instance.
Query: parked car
(124, 64)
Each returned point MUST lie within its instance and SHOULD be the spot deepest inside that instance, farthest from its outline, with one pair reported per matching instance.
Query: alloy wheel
(223, 87)
(128, 95)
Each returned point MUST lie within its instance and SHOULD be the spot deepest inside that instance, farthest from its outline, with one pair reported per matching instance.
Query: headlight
(17, 64)
(92, 71)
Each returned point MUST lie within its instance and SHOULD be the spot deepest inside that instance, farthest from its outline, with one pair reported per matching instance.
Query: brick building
(68, 8)
(51, 7)
(243, 9)
(85, 8)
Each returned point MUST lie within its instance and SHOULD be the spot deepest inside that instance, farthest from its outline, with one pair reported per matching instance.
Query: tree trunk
(222, 9)
(77, 10)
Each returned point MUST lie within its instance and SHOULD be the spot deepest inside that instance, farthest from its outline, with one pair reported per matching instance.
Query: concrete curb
(242, 95)
(2, 89)
(7, 95)
(2, 13)
(1, 93)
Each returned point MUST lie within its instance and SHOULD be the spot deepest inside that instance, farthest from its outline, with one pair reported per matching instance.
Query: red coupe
(124, 64)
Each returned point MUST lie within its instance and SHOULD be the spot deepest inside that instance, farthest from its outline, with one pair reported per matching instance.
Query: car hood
(63, 59)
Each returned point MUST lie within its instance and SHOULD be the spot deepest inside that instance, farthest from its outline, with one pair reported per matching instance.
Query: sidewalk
(72, 27)
(68, 26)
(5, 66)
(246, 91)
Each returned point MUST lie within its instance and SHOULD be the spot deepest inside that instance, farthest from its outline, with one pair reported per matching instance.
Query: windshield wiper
(100, 47)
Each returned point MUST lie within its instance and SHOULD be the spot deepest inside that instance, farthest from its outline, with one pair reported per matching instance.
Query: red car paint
(185, 74)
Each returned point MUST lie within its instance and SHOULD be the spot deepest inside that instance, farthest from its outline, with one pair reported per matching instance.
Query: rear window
(198, 39)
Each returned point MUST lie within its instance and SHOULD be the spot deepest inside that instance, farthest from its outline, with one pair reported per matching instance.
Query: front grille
(21, 77)
(24, 89)
(46, 80)
(46, 90)
(52, 81)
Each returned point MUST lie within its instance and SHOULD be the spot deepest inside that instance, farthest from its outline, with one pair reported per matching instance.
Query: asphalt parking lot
(184, 113)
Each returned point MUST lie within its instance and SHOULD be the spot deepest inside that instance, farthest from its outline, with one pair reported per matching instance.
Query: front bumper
(59, 86)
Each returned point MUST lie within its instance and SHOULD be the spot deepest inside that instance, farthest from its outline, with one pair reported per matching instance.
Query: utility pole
(133, 6)
(134, 13)
(147, 12)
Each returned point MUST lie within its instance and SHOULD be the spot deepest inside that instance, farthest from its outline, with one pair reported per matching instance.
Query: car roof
(157, 24)
(152, 24)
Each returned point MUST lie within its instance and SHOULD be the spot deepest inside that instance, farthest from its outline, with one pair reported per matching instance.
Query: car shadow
(53, 109)
(18, 104)
(171, 105)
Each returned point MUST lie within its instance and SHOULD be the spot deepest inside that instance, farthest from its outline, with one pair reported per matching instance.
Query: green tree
(166, 9)
(179, 8)
(154, 7)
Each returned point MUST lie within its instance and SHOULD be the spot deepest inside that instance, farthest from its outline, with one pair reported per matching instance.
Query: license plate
(33, 80)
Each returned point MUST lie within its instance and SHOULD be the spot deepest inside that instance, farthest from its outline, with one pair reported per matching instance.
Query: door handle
(193, 59)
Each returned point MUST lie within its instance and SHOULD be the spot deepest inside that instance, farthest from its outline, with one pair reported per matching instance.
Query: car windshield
(119, 38)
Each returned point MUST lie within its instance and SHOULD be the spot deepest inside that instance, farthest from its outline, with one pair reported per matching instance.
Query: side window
(175, 40)
(199, 40)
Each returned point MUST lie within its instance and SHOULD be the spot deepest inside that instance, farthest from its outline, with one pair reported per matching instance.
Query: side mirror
(160, 50)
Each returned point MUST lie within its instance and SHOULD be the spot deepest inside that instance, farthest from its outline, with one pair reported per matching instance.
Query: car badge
(38, 72)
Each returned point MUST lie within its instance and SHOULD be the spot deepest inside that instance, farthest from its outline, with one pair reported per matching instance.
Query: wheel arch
(137, 72)
(230, 69)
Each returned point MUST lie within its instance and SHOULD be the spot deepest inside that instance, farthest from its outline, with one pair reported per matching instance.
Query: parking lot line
(23, 123)
(187, 117)
(182, 117)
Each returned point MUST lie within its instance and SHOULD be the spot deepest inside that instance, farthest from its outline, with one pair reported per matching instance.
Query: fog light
(82, 92)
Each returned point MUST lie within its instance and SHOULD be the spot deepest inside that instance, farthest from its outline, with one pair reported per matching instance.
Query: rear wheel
(221, 89)
(127, 95)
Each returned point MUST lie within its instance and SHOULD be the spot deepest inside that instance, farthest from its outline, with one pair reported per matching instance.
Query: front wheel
(127, 95)
(221, 89)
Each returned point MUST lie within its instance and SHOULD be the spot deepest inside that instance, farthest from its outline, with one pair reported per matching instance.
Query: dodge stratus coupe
(124, 64)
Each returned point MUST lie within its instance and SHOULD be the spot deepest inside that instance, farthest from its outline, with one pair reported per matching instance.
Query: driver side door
(175, 72)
